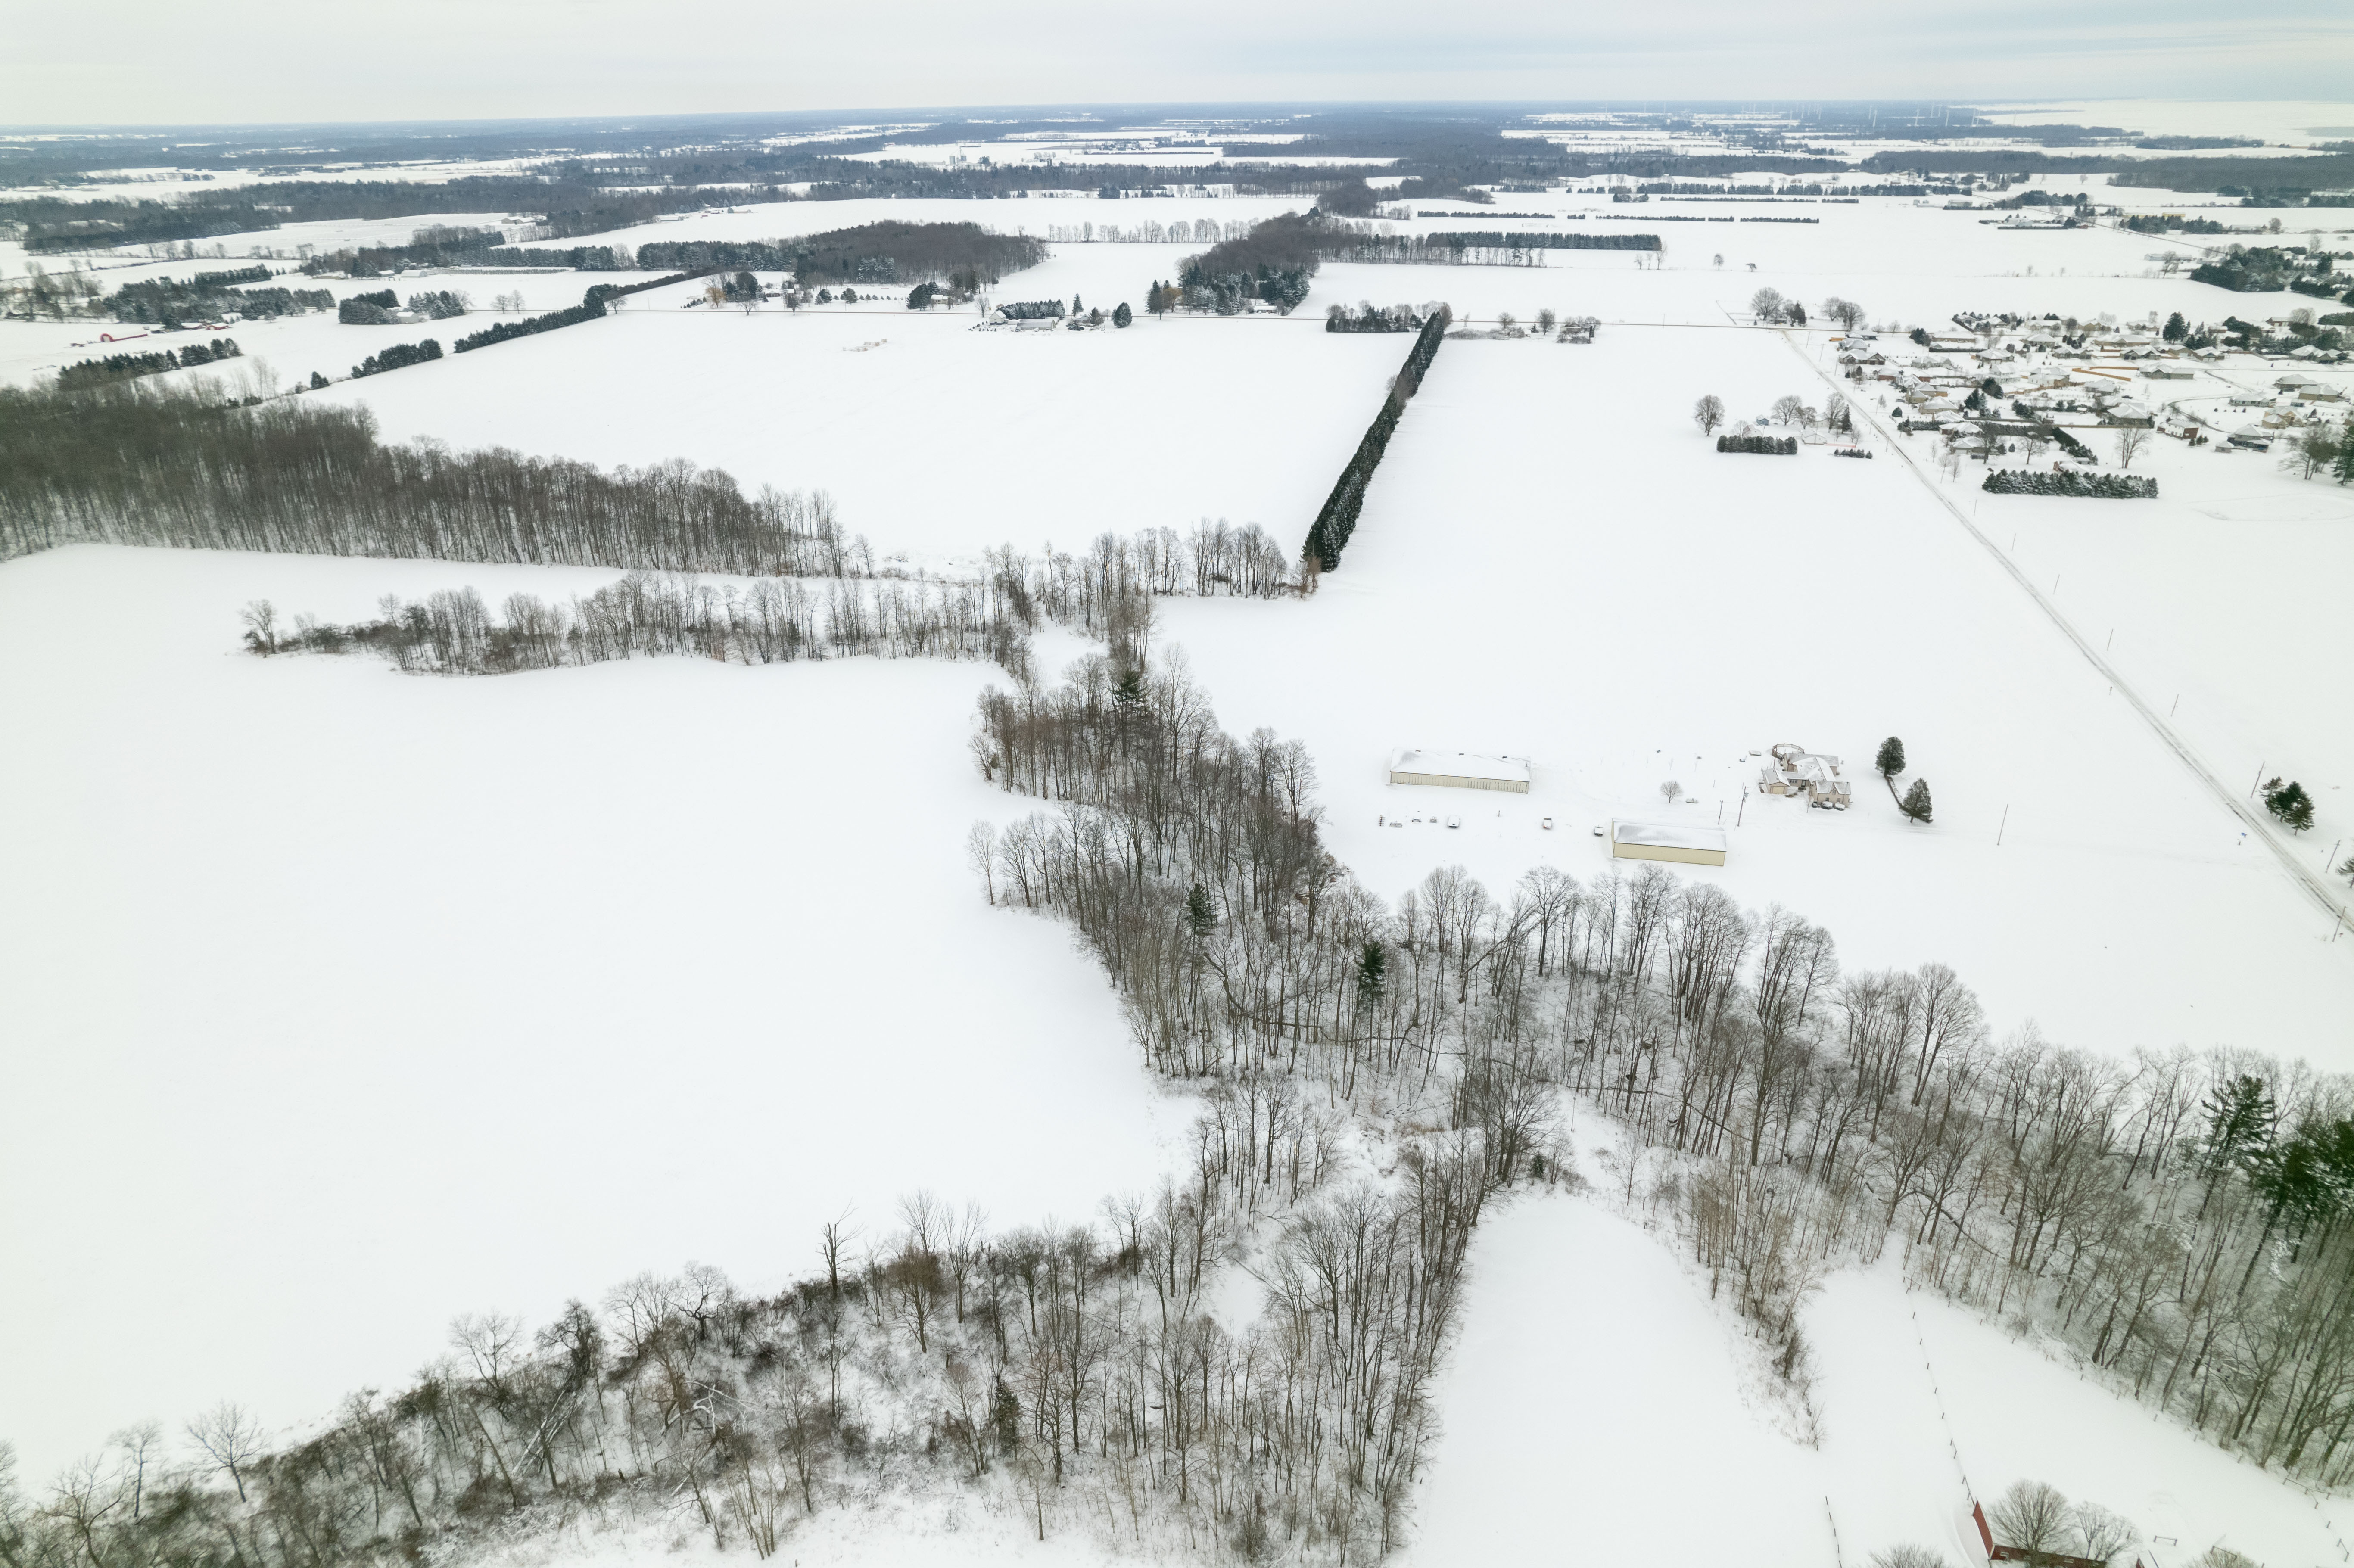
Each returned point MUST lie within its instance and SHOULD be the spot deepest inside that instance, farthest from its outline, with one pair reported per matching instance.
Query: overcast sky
(262, 61)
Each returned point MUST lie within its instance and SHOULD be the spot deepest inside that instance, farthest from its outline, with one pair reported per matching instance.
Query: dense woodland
(141, 467)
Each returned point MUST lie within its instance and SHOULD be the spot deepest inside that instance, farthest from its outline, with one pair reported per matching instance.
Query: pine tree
(2289, 805)
(2344, 470)
(1372, 973)
(1121, 315)
(2239, 1122)
(1915, 804)
(2176, 328)
(1128, 693)
(1890, 760)
(1200, 919)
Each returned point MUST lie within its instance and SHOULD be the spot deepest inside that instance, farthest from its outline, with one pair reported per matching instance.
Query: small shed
(1461, 771)
(1657, 840)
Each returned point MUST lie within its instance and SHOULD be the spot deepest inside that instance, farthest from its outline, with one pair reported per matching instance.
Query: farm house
(1655, 841)
(1794, 770)
(1461, 771)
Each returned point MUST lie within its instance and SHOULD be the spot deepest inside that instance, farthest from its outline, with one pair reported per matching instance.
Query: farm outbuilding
(1659, 841)
(1461, 771)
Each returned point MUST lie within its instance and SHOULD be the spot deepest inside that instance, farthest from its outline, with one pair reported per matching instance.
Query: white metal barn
(1461, 770)
(1656, 841)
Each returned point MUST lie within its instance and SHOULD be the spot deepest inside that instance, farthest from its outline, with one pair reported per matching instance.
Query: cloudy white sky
(258, 61)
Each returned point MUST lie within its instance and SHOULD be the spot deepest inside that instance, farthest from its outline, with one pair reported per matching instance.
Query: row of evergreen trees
(2071, 482)
(1367, 317)
(91, 373)
(398, 356)
(1770, 445)
(1329, 534)
(589, 310)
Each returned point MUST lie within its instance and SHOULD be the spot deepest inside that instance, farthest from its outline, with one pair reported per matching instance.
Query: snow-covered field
(348, 1002)
(1554, 563)
(338, 1003)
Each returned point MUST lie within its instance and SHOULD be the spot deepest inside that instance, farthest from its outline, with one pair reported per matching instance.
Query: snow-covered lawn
(1554, 563)
(1601, 1408)
(339, 1002)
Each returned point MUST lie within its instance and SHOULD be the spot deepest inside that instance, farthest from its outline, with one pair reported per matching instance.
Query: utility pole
(2002, 825)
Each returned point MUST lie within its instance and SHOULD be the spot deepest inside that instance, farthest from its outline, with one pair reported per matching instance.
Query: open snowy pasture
(340, 1002)
(932, 437)
(1596, 1374)
(1552, 562)
(2220, 600)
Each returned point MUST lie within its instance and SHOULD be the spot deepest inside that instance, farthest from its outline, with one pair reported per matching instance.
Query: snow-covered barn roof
(1463, 764)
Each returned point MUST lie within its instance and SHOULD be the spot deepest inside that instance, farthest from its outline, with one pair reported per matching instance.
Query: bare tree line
(1104, 591)
(143, 466)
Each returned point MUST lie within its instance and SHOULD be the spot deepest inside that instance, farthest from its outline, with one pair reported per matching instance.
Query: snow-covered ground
(1554, 563)
(1601, 1408)
(339, 1002)
(352, 1001)
(932, 437)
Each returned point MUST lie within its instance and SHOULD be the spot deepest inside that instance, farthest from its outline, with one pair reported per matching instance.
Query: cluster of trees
(1329, 534)
(571, 200)
(439, 304)
(589, 310)
(2170, 222)
(161, 301)
(1031, 311)
(2265, 269)
(965, 255)
(2289, 804)
(776, 619)
(2070, 481)
(435, 244)
(369, 309)
(1846, 313)
(1492, 240)
(1769, 306)
(1273, 262)
(1772, 446)
(1368, 317)
(308, 477)
(1183, 231)
(2186, 1223)
(2321, 451)
(377, 308)
(90, 373)
(1356, 242)
(399, 356)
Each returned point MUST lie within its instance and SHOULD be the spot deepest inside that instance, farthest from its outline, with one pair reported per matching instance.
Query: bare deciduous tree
(231, 1439)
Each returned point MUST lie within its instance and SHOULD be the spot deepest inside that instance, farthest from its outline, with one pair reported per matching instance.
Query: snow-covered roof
(1660, 835)
(1462, 765)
